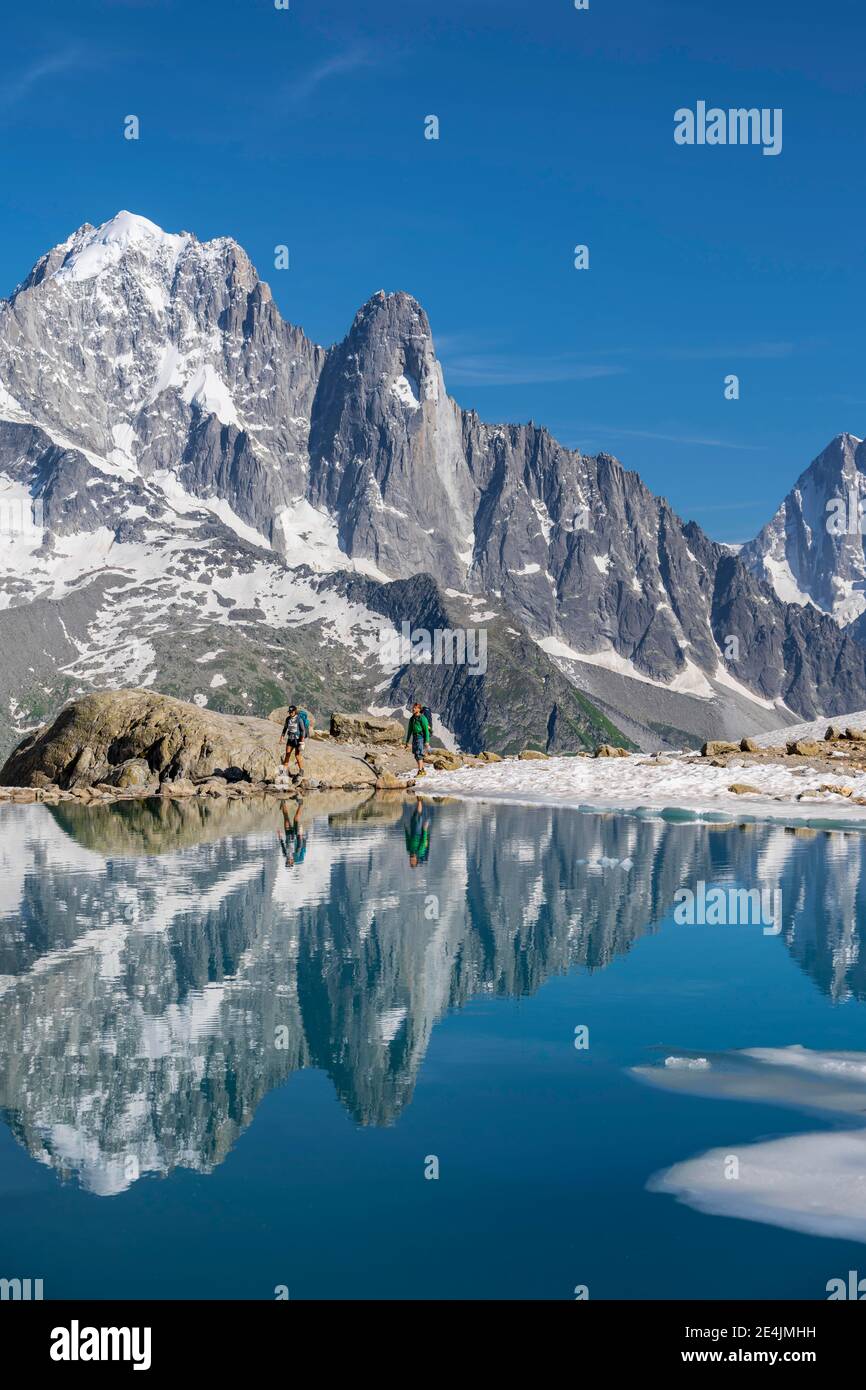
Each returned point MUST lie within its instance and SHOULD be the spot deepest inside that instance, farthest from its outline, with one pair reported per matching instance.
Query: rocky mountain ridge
(220, 507)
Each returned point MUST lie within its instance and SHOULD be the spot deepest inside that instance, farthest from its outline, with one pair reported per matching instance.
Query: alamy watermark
(716, 906)
(845, 515)
(77, 1343)
(711, 125)
(853, 1288)
(19, 516)
(21, 1290)
(443, 646)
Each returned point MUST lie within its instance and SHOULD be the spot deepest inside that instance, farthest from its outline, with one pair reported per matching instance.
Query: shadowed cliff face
(161, 974)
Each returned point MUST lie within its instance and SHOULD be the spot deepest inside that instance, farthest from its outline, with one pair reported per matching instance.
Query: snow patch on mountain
(690, 681)
(406, 395)
(209, 393)
(10, 408)
(308, 535)
(185, 503)
(723, 677)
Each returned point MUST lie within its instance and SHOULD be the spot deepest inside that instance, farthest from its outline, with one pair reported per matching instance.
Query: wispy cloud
(350, 60)
(760, 351)
(20, 87)
(448, 344)
(695, 440)
(467, 362)
(757, 350)
(498, 370)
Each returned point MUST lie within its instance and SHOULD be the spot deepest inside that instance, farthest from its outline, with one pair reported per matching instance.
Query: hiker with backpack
(295, 732)
(418, 734)
(293, 841)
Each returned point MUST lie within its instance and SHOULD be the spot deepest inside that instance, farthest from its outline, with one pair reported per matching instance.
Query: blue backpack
(303, 721)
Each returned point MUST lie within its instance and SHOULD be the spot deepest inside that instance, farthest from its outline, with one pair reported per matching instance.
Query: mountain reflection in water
(164, 965)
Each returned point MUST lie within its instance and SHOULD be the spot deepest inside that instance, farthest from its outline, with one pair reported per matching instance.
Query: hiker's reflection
(417, 833)
(293, 840)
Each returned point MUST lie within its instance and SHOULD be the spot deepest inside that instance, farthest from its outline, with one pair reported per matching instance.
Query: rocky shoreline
(841, 750)
(130, 745)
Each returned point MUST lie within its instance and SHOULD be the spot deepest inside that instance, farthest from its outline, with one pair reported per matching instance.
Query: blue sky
(306, 127)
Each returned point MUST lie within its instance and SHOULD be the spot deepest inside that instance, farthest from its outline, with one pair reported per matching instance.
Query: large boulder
(121, 736)
(717, 747)
(117, 737)
(389, 781)
(446, 761)
(805, 748)
(366, 728)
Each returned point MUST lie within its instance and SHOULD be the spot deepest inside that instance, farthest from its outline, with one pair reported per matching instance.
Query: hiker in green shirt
(417, 834)
(418, 734)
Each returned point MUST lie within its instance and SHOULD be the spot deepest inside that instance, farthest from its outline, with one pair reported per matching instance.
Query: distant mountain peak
(396, 314)
(801, 554)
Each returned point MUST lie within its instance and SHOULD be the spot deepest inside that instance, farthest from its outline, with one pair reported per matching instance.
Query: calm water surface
(234, 1038)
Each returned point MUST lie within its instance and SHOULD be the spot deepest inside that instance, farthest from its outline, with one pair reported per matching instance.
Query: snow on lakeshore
(673, 782)
(777, 738)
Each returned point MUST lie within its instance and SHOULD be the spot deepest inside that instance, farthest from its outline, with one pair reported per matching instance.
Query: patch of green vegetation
(678, 737)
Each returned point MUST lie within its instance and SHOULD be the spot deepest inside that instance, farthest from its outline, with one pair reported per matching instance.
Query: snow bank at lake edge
(647, 784)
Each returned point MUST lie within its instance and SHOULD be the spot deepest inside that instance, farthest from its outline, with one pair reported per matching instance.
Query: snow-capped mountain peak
(144, 348)
(92, 251)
